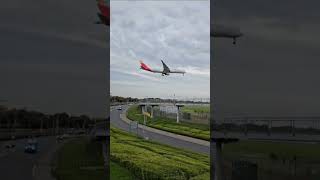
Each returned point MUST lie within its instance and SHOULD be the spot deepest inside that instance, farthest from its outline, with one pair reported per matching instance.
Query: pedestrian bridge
(275, 128)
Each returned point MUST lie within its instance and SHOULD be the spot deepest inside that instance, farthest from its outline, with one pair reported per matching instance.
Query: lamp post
(1, 118)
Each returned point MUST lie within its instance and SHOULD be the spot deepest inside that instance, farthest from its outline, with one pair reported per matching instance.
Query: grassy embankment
(118, 172)
(277, 160)
(151, 160)
(279, 149)
(199, 131)
(80, 159)
(193, 109)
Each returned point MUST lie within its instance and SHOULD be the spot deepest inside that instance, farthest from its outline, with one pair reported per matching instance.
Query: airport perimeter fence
(196, 118)
(267, 124)
(275, 168)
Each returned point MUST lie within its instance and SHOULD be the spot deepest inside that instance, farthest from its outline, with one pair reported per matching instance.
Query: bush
(150, 160)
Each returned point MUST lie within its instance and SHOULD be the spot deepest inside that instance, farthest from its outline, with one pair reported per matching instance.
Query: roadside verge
(123, 116)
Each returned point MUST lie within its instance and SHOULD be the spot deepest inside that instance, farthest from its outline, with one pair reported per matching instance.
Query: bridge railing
(270, 125)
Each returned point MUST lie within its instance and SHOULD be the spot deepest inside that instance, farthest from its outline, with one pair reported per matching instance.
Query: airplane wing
(165, 67)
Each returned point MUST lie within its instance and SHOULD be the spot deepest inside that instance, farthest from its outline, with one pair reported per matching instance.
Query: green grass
(280, 149)
(194, 109)
(75, 156)
(199, 131)
(276, 160)
(118, 172)
(151, 160)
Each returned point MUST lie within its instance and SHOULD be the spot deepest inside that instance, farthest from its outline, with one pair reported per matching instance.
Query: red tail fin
(104, 14)
(105, 11)
(144, 66)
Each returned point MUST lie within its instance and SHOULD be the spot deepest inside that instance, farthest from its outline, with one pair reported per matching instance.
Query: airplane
(104, 14)
(220, 31)
(166, 70)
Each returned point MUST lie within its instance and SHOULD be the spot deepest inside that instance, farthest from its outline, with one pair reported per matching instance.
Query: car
(59, 138)
(119, 108)
(62, 137)
(32, 146)
(9, 145)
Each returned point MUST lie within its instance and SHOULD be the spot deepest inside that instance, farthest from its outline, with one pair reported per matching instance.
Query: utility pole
(144, 116)
(57, 124)
(41, 124)
(4, 107)
(13, 126)
(53, 129)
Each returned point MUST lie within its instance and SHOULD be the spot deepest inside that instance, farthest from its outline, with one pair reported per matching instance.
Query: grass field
(151, 160)
(281, 149)
(276, 160)
(118, 172)
(199, 131)
(80, 159)
(193, 109)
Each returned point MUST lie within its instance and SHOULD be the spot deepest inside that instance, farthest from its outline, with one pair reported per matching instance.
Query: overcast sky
(174, 31)
(274, 68)
(53, 58)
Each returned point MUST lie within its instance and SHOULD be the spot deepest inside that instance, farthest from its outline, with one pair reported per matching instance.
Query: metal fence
(270, 125)
(197, 118)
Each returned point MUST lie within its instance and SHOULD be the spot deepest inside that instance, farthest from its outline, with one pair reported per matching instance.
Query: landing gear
(234, 41)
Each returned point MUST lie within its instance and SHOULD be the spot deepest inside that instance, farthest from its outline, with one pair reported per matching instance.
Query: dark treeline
(22, 118)
(123, 99)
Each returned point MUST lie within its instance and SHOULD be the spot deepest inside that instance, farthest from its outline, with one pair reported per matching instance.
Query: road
(17, 165)
(116, 121)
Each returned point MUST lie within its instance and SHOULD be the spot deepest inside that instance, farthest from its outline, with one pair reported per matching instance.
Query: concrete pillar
(152, 106)
(142, 108)
(212, 159)
(41, 125)
(178, 111)
(293, 128)
(151, 111)
(57, 125)
(269, 127)
(144, 116)
(218, 162)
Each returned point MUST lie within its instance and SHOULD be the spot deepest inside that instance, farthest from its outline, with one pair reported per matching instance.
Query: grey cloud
(53, 58)
(274, 66)
(163, 31)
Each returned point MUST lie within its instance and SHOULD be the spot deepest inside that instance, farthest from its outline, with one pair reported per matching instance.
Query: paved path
(117, 119)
